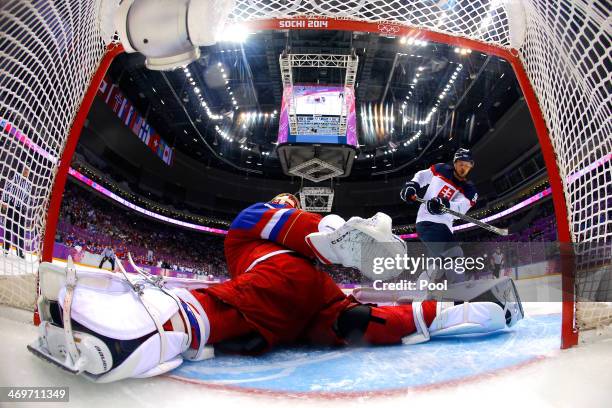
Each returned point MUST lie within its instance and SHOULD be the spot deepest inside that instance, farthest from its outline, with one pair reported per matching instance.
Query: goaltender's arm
(273, 222)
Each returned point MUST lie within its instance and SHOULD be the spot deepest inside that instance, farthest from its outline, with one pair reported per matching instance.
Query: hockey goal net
(54, 52)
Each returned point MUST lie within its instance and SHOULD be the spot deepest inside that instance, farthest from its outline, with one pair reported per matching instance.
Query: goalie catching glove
(357, 242)
(108, 328)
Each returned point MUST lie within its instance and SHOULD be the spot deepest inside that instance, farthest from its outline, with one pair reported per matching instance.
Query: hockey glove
(409, 191)
(437, 205)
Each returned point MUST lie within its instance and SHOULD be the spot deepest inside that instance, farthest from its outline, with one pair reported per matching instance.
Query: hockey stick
(168, 282)
(467, 218)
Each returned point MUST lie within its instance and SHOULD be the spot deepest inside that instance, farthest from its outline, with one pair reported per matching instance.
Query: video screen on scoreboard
(318, 100)
(318, 110)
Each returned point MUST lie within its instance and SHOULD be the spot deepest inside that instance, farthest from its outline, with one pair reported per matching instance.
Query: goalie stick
(484, 225)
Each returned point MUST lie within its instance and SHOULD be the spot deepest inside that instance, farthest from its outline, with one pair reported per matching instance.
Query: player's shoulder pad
(470, 192)
(443, 169)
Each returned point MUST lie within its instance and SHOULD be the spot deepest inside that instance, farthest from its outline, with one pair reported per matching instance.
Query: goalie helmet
(286, 199)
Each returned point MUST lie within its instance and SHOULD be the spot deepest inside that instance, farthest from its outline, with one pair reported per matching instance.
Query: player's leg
(343, 320)
(229, 329)
(19, 231)
(279, 296)
(8, 229)
(440, 242)
(369, 324)
(360, 324)
(436, 237)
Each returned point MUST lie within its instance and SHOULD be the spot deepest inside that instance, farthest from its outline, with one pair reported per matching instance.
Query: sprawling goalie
(112, 326)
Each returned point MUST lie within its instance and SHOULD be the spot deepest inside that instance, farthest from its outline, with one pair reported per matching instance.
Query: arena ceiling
(432, 98)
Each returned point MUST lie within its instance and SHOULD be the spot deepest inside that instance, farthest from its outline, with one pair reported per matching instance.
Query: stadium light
(235, 33)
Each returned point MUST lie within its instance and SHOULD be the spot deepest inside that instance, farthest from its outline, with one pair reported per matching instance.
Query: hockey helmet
(286, 199)
(463, 155)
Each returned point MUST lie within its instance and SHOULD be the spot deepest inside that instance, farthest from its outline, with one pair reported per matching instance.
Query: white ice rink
(579, 377)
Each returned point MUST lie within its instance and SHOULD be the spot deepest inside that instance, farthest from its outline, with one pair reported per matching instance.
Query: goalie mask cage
(55, 53)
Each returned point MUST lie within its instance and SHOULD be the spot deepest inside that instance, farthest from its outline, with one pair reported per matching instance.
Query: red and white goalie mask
(286, 199)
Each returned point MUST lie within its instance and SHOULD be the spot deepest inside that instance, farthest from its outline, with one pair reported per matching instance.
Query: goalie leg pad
(501, 291)
(110, 313)
(370, 324)
(504, 293)
(468, 318)
(456, 320)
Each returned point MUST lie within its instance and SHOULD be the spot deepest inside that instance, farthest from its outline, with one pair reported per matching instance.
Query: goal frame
(569, 330)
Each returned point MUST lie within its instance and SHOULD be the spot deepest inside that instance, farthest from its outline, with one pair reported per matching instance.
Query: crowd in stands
(113, 181)
(94, 223)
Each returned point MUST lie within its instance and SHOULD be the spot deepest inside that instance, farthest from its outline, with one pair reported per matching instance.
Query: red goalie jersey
(278, 292)
(264, 230)
(274, 283)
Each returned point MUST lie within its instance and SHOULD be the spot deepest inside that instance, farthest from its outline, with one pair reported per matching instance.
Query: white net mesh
(567, 58)
(51, 49)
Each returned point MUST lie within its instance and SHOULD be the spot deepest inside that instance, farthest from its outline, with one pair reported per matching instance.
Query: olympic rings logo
(388, 29)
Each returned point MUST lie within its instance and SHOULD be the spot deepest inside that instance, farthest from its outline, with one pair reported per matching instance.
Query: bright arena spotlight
(209, 61)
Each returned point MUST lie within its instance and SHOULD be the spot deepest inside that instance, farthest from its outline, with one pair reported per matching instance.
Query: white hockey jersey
(441, 181)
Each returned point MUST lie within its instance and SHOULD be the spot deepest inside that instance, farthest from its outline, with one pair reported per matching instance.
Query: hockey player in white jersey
(447, 187)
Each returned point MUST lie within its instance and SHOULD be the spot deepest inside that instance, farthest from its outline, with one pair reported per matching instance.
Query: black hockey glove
(437, 205)
(409, 191)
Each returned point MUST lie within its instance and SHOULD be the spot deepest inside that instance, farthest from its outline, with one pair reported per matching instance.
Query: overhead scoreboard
(317, 133)
(318, 112)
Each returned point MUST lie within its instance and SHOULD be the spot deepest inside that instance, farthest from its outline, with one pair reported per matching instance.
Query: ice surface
(519, 367)
(457, 373)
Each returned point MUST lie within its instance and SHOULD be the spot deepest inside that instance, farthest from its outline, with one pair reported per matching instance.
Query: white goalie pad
(357, 242)
(123, 316)
(501, 291)
(464, 319)
(113, 308)
(468, 318)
